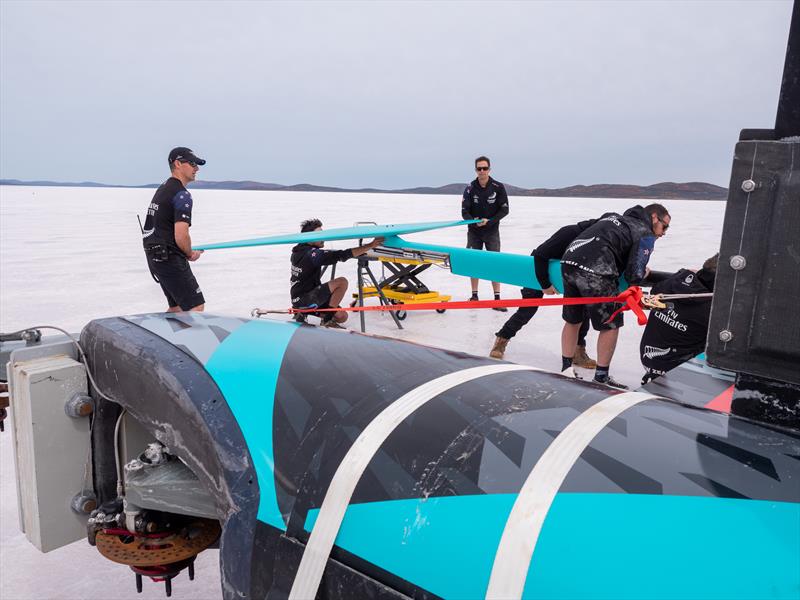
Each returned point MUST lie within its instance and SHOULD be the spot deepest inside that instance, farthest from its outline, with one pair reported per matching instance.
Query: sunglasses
(664, 225)
(481, 168)
(189, 162)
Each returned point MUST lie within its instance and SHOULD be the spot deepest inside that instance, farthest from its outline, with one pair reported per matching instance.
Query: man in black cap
(166, 239)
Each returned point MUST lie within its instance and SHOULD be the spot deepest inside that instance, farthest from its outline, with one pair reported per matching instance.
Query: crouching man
(308, 291)
(676, 334)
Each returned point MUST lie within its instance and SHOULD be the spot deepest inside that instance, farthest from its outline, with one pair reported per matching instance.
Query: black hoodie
(553, 249)
(615, 245)
(307, 263)
(673, 336)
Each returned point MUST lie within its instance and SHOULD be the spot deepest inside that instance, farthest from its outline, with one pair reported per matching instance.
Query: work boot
(582, 359)
(499, 348)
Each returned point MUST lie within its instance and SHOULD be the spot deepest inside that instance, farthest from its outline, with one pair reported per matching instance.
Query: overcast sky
(386, 94)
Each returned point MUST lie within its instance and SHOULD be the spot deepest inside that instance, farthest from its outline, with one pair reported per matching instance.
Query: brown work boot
(582, 359)
(499, 347)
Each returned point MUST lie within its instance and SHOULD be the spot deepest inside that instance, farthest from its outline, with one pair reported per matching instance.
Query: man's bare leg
(338, 288)
(606, 344)
(474, 283)
(496, 287)
(569, 339)
(198, 308)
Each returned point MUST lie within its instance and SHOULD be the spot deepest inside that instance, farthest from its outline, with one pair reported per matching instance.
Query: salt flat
(69, 255)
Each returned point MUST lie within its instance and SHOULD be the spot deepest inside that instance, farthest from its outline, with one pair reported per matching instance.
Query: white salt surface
(69, 255)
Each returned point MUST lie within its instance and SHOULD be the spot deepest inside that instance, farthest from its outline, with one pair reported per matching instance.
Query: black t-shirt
(673, 336)
(307, 263)
(170, 204)
(490, 202)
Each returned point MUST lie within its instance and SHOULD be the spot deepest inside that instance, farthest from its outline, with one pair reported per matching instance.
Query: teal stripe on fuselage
(245, 366)
(615, 546)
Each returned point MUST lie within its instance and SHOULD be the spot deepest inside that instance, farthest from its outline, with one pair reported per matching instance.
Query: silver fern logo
(654, 351)
(578, 243)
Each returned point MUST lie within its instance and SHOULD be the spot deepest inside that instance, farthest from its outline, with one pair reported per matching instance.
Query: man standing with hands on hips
(167, 243)
(484, 199)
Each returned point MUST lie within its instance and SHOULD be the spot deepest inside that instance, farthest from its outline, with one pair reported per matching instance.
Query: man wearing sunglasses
(167, 243)
(484, 199)
(616, 245)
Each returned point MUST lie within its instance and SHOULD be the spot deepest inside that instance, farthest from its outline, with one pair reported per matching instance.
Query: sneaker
(499, 348)
(332, 324)
(582, 359)
(611, 382)
(500, 309)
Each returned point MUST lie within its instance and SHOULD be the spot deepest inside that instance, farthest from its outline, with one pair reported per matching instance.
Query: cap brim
(199, 161)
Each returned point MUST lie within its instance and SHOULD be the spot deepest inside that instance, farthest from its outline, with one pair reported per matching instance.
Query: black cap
(184, 154)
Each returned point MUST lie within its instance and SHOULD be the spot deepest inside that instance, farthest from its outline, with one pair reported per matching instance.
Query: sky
(386, 94)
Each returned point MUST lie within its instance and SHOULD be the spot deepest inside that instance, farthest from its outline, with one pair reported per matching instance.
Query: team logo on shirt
(613, 219)
(579, 243)
(654, 351)
(492, 197)
(689, 279)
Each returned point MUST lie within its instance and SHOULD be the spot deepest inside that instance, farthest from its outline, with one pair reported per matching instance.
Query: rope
(630, 299)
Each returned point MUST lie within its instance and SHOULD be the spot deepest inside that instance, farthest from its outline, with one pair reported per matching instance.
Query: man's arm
(184, 241)
(640, 253)
(329, 257)
(367, 247)
(502, 201)
(465, 205)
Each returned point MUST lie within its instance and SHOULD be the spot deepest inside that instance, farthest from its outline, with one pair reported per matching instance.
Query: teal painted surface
(245, 366)
(512, 269)
(614, 546)
(443, 544)
(343, 233)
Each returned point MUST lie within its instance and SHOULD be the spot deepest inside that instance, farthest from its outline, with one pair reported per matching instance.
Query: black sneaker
(611, 382)
(500, 309)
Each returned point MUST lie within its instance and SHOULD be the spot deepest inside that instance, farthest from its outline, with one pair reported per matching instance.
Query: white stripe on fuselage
(337, 498)
(515, 551)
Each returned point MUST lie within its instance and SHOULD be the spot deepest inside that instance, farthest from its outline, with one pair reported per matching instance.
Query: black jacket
(489, 203)
(307, 263)
(675, 335)
(553, 249)
(615, 245)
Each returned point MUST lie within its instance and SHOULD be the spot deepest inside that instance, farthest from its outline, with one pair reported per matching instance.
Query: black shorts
(316, 298)
(581, 284)
(478, 240)
(177, 281)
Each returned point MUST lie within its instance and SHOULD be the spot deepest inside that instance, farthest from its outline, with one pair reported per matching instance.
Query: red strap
(630, 299)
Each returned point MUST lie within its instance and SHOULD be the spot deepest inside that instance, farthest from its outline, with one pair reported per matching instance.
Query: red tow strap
(630, 300)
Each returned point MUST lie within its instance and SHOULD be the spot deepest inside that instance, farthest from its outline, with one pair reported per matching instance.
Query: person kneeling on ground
(307, 290)
(675, 334)
(553, 248)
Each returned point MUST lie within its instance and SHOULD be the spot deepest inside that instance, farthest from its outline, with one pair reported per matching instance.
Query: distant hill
(693, 190)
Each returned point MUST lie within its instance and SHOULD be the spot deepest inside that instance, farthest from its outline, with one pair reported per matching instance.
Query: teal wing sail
(504, 267)
(512, 269)
(343, 233)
